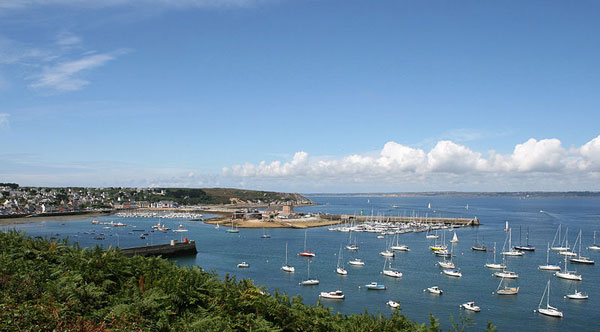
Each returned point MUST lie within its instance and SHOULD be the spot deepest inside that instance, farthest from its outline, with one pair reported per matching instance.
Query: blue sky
(309, 96)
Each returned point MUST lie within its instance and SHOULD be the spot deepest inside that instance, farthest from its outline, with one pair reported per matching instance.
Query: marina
(223, 251)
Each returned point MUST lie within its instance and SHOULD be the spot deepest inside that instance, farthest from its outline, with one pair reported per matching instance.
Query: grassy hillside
(49, 286)
(191, 196)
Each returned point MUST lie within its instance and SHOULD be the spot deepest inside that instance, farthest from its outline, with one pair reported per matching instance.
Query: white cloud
(4, 121)
(66, 76)
(446, 164)
(67, 39)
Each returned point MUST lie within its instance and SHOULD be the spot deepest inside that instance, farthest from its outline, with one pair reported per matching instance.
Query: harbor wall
(431, 220)
(166, 250)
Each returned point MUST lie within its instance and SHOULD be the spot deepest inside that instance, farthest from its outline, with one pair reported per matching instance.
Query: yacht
(243, 265)
(577, 296)
(452, 273)
(340, 265)
(511, 251)
(594, 246)
(548, 266)
(506, 274)
(375, 286)
(548, 310)
(580, 259)
(393, 304)
(356, 262)
(506, 290)
(570, 275)
(286, 267)
(390, 272)
(495, 265)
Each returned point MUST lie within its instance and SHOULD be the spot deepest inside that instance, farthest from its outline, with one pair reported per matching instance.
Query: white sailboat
(340, 265)
(594, 246)
(506, 290)
(557, 236)
(445, 263)
(356, 262)
(431, 236)
(495, 265)
(232, 229)
(399, 247)
(309, 281)
(351, 246)
(511, 251)
(454, 238)
(387, 252)
(452, 273)
(580, 259)
(570, 275)
(548, 266)
(548, 310)
(390, 272)
(286, 267)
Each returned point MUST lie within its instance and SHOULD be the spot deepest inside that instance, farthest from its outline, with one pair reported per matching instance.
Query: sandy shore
(277, 223)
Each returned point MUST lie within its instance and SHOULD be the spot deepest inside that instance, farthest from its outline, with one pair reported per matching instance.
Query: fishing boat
(548, 266)
(506, 290)
(594, 246)
(570, 275)
(337, 295)
(393, 304)
(470, 306)
(478, 246)
(356, 262)
(306, 253)
(390, 272)
(511, 251)
(577, 296)
(526, 247)
(548, 310)
(309, 281)
(452, 273)
(375, 286)
(454, 238)
(559, 246)
(243, 265)
(340, 265)
(286, 267)
(434, 290)
(494, 265)
(580, 259)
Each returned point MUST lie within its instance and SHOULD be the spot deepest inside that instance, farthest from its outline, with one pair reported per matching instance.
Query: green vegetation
(193, 196)
(50, 286)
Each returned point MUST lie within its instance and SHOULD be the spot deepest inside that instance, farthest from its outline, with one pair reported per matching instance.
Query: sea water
(220, 251)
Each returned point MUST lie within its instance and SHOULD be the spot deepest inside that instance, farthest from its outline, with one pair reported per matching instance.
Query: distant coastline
(515, 194)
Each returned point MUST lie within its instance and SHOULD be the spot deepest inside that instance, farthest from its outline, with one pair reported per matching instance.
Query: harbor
(263, 250)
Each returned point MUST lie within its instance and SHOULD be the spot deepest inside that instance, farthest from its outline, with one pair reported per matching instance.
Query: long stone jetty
(175, 248)
(431, 220)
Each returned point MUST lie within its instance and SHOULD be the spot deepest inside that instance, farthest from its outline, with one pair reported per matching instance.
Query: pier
(431, 220)
(175, 248)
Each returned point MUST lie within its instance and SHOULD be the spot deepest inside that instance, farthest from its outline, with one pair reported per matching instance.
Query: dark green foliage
(10, 185)
(49, 286)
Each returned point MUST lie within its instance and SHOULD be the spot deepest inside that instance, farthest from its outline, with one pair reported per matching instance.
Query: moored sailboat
(548, 310)
(581, 259)
(495, 265)
(548, 266)
(286, 267)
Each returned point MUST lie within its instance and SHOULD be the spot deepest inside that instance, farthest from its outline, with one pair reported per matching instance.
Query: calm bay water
(221, 251)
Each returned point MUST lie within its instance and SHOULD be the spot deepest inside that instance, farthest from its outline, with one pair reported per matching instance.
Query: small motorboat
(452, 273)
(288, 268)
(393, 304)
(506, 274)
(356, 262)
(337, 295)
(307, 253)
(470, 306)
(375, 286)
(577, 296)
(434, 290)
(243, 265)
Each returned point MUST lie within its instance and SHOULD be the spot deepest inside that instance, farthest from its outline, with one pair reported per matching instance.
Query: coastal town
(17, 201)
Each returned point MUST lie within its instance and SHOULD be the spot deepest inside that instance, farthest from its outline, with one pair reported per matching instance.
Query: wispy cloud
(4, 121)
(66, 76)
(446, 163)
(58, 66)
